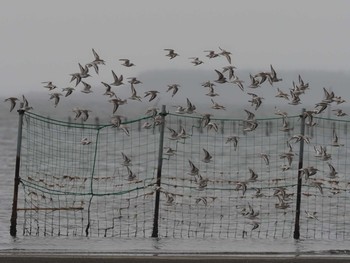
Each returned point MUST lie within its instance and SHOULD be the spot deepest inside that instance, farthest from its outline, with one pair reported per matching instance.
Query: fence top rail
(96, 126)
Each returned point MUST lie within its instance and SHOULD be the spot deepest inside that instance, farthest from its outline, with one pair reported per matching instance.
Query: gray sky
(45, 40)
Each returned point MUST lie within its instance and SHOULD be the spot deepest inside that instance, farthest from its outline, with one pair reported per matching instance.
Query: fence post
(300, 166)
(159, 173)
(13, 227)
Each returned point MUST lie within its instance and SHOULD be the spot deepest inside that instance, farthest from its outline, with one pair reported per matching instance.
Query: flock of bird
(227, 75)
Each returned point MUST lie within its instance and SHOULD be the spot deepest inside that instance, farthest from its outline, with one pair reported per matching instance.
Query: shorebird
(117, 81)
(256, 100)
(56, 97)
(83, 113)
(87, 87)
(117, 102)
(134, 95)
(265, 157)
(131, 175)
(311, 215)
(68, 91)
(226, 54)
(126, 160)
(205, 119)
(238, 82)
(152, 111)
(108, 91)
(254, 82)
(134, 80)
(84, 73)
(281, 94)
(211, 54)
(233, 139)
(116, 121)
(332, 171)
(196, 61)
(230, 69)
(12, 100)
(212, 126)
(273, 76)
(169, 151)
(211, 92)
(49, 85)
(194, 169)
(190, 107)
(173, 134)
(152, 94)
(96, 62)
(207, 156)
(125, 129)
(127, 62)
(174, 88)
(85, 141)
(285, 125)
(171, 53)
(253, 175)
(241, 186)
(217, 106)
(221, 79)
(335, 140)
(25, 106)
(340, 113)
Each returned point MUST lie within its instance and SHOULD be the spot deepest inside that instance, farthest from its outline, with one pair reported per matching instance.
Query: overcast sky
(45, 40)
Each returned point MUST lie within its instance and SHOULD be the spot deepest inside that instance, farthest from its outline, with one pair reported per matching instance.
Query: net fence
(220, 178)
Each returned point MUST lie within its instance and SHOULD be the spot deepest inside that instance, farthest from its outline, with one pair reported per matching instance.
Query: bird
(174, 88)
(311, 215)
(238, 82)
(117, 81)
(13, 101)
(211, 54)
(108, 91)
(85, 141)
(97, 61)
(68, 90)
(233, 139)
(230, 69)
(131, 175)
(116, 121)
(211, 92)
(217, 106)
(87, 88)
(116, 103)
(332, 171)
(56, 97)
(194, 170)
(126, 160)
(196, 61)
(49, 85)
(226, 54)
(221, 79)
(152, 94)
(281, 94)
(273, 76)
(84, 73)
(127, 62)
(207, 156)
(134, 95)
(171, 53)
(134, 80)
(190, 107)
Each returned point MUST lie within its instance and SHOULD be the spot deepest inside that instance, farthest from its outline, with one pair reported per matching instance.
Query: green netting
(72, 188)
